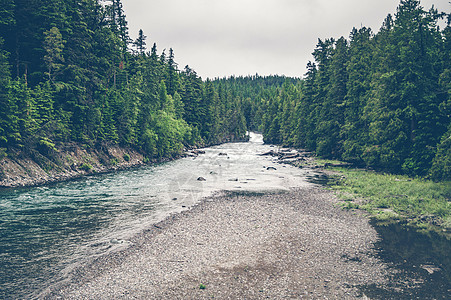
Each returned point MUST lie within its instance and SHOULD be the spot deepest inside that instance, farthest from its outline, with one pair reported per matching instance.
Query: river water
(45, 232)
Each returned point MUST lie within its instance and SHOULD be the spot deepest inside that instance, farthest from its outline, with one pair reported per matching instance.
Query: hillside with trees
(379, 100)
(70, 72)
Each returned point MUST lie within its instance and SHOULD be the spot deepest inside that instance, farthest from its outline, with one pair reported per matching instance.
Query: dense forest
(376, 100)
(69, 72)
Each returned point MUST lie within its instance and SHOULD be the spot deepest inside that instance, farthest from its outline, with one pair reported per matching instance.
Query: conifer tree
(140, 42)
(354, 131)
(53, 46)
(173, 83)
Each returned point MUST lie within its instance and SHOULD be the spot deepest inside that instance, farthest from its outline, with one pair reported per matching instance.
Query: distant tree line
(376, 100)
(69, 72)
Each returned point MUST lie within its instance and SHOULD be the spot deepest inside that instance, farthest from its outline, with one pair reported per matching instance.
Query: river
(45, 232)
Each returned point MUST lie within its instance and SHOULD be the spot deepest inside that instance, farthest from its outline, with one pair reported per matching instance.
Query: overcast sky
(220, 38)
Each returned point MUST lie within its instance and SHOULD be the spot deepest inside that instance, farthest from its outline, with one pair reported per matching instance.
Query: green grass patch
(322, 162)
(389, 196)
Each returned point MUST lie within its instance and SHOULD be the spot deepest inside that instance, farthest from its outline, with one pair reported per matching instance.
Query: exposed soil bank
(69, 161)
(240, 246)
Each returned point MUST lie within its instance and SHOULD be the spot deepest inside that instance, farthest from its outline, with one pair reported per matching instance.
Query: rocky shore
(294, 245)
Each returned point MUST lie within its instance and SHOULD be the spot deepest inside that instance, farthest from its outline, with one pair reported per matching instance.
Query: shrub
(114, 161)
(86, 167)
(46, 145)
(3, 153)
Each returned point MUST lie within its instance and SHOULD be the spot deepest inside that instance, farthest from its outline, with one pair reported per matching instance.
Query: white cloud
(241, 37)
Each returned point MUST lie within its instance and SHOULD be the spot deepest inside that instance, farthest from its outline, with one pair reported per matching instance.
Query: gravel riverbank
(295, 244)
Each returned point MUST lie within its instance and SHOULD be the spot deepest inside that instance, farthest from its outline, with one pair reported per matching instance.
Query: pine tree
(325, 122)
(140, 42)
(331, 112)
(307, 112)
(172, 77)
(5, 102)
(178, 106)
(53, 45)
(354, 131)
(192, 98)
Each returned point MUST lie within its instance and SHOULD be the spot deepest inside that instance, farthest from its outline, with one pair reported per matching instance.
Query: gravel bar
(287, 245)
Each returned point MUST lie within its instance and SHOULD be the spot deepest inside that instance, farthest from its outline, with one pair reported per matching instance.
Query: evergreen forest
(69, 72)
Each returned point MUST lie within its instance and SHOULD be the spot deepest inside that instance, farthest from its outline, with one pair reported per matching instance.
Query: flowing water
(46, 231)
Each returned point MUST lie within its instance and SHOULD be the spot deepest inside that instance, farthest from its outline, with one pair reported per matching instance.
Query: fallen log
(289, 156)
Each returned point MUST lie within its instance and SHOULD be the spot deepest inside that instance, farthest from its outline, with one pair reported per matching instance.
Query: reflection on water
(46, 230)
(422, 262)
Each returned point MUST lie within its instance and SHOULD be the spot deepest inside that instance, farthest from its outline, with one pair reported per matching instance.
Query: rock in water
(201, 179)
(198, 151)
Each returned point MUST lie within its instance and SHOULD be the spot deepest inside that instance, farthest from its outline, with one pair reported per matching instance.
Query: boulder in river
(190, 154)
(201, 179)
(196, 151)
(270, 168)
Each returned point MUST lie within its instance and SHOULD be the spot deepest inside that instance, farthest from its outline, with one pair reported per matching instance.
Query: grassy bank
(420, 202)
